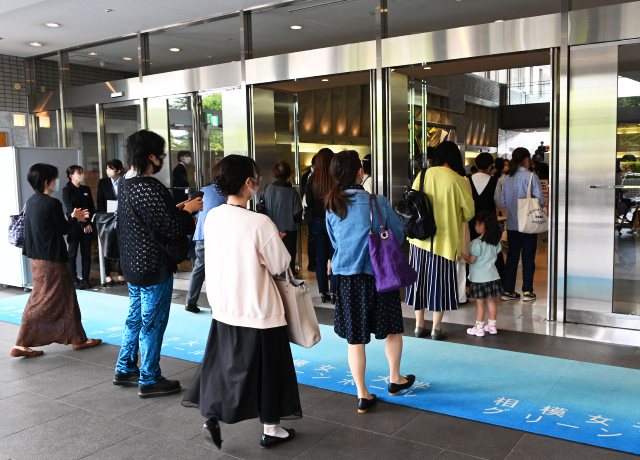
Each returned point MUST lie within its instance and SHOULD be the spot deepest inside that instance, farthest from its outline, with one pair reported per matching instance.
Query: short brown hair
(281, 171)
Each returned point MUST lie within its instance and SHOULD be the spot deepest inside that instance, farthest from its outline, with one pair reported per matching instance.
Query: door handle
(617, 187)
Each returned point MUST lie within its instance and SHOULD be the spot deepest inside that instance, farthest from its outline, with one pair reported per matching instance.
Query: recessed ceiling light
(208, 57)
(93, 54)
(500, 20)
(35, 44)
(296, 27)
(325, 79)
(108, 10)
(52, 24)
(174, 50)
(427, 68)
(393, 70)
(127, 58)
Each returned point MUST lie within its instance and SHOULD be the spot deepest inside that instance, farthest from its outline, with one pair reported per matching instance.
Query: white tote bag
(532, 218)
(302, 323)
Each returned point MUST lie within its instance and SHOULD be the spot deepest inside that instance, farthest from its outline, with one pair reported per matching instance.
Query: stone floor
(63, 406)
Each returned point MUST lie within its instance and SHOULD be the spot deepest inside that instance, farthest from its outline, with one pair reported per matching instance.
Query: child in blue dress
(485, 281)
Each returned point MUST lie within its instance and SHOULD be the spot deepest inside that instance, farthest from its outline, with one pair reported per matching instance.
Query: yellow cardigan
(450, 196)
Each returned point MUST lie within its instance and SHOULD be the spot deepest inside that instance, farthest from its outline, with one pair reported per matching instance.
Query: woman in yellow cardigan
(435, 259)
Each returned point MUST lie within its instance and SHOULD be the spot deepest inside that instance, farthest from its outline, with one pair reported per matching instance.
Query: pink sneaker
(475, 330)
(491, 329)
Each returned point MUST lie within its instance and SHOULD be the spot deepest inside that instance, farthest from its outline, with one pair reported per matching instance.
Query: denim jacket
(350, 236)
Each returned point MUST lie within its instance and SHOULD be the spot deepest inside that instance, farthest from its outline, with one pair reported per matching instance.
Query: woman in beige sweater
(247, 370)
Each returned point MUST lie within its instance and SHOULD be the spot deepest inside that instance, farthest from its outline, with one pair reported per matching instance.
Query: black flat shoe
(86, 285)
(192, 308)
(421, 332)
(110, 283)
(162, 388)
(438, 334)
(396, 388)
(211, 432)
(126, 379)
(268, 441)
(365, 404)
(325, 298)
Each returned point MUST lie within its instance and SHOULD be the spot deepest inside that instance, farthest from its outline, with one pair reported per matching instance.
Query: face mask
(157, 168)
(254, 193)
(110, 173)
(56, 187)
(311, 168)
(187, 160)
(80, 177)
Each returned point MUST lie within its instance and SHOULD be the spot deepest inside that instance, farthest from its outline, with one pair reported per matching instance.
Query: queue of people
(247, 370)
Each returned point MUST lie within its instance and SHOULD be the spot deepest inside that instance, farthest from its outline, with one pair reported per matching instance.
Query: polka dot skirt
(361, 310)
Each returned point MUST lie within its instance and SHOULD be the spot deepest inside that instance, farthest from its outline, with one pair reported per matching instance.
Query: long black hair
(517, 159)
(448, 153)
(493, 234)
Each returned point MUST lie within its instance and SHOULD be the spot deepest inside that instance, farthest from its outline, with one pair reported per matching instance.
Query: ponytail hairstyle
(517, 159)
(345, 167)
(492, 235)
(71, 170)
(321, 180)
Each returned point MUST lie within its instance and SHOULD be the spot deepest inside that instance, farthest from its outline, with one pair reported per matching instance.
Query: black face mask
(157, 168)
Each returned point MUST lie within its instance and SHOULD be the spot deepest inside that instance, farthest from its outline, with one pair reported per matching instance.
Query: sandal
(88, 344)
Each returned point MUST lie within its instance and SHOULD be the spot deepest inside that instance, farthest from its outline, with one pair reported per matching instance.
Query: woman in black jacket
(52, 313)
(75, 195)
(108, 191)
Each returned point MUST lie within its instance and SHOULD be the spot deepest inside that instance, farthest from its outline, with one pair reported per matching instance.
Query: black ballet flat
(325, 298)
(211, 432)
(396, 388)
(268, 441)
(365, 404)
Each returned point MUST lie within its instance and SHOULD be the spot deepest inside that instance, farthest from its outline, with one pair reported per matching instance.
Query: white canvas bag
(532, 218)
(302, 323)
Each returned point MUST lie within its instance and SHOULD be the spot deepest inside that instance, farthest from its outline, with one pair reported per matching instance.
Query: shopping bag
(532, 218)
(16, 229)
(107, 228)
(302, 323)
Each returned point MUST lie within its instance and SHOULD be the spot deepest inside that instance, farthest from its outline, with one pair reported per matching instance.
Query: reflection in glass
(212, 133)
(626, 273)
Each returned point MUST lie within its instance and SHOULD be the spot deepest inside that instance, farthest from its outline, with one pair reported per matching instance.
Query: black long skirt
(245, 374)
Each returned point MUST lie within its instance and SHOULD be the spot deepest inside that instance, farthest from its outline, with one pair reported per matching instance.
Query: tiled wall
(12, 72)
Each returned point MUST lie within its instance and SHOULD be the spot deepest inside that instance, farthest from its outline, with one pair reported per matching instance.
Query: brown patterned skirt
(52, 313)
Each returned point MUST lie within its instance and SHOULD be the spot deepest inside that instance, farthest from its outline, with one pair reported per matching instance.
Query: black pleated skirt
(245, 374)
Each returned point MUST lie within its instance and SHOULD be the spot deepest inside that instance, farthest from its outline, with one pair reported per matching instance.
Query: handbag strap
(373, 201)
(529, 188)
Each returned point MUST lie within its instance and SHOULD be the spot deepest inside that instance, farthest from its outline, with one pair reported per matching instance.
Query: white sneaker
(475, 330)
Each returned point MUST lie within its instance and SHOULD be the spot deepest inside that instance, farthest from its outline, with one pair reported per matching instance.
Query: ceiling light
(108, 10)
(427, 68)
(127, 58)
(44, 122)
(53, 25)
(93, 54)
(500, 20)
(325, 79)
(393, 70)
(174, 50)
(296, 27)
(35, 44)
(19, 120)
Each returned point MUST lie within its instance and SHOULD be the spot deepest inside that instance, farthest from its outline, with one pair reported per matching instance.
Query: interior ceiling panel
(309, 84)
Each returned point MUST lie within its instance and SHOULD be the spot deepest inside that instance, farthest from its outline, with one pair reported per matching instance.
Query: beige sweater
(242, 251)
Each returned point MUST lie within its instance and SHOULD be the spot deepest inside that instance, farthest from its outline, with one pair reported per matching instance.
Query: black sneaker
(528, 296)
(86, 285)
(162, 388)
(268, 441)
(126, 379)
(77, 284)
(510, 296)
(192, 308)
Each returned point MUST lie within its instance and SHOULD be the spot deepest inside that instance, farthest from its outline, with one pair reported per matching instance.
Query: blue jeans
(324, 252)
(144, 329)
(527, 244)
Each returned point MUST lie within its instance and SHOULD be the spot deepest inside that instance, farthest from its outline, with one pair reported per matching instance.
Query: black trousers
(290, 241)
(77, 238)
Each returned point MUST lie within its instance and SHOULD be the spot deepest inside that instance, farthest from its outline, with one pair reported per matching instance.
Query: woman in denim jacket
(360, 309)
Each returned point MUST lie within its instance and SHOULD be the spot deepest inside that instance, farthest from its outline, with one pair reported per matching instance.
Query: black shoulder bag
(176, 251)
(416, 213)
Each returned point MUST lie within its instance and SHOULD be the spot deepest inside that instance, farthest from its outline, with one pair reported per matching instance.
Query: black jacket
(180, 177)
(105, 193)
(79, 197)
(44, 224)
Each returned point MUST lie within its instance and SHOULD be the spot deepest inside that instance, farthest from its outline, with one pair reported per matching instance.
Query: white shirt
(480, 182)
(367, 183)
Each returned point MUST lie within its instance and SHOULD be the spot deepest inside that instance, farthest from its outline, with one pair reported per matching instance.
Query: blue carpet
(583, 402)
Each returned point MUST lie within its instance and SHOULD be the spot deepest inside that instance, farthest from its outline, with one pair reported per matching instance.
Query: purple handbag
(390, 266)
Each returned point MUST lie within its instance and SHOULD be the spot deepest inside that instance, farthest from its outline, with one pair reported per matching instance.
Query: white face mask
(254, 193)
(80, 177)
(111, 173)
(311, 168)
(186, 160)
(56, 186)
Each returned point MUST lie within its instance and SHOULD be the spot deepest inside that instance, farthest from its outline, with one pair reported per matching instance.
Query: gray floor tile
(66, 380)
(449, 455)
(310, 396)
(383, 418)
(73, 436)
(167, 416)
(7, 390)
(26, 410)
(104, 355)
(150, 445)
(9, 329)
(107, 400)
(534, 447)
(348, 443)
(173, 366)
(19, 368)
(460, 435)
(243, 439)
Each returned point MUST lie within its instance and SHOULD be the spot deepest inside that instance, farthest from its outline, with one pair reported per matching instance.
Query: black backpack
(416, 213)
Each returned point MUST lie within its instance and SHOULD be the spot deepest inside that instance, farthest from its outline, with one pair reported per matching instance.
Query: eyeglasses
(257, 181)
